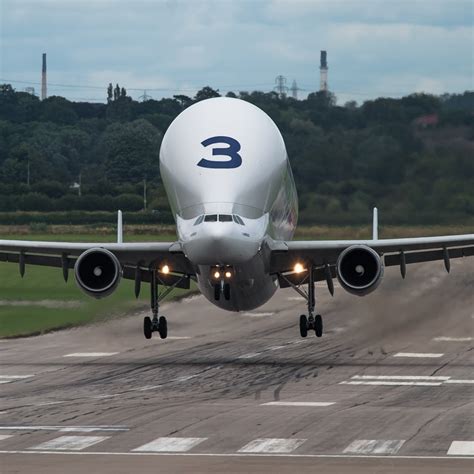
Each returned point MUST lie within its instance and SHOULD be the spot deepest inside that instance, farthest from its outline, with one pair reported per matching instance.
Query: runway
(388, 388)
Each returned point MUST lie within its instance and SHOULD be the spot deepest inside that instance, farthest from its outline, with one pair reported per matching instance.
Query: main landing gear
(155, 324)
(311, 322)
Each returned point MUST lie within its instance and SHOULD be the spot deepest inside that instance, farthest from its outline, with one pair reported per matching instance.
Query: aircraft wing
(132, 256)
(323, 254)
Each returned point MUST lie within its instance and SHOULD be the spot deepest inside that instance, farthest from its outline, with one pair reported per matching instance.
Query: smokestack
(323, 69)
(44, 92)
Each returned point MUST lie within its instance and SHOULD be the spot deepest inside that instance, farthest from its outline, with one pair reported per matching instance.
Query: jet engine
(97, 272)
(359, 269)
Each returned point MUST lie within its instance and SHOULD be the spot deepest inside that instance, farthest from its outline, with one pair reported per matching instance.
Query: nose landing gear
(221, 287)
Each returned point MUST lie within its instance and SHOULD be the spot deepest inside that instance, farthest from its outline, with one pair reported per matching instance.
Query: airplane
(226, 172)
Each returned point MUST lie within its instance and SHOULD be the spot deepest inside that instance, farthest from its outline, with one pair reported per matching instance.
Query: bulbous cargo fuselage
(225, 169)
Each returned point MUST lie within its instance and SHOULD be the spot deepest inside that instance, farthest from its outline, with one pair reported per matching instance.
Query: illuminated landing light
(217, 275)
(165, 269)
(228, 274)
(298, 268)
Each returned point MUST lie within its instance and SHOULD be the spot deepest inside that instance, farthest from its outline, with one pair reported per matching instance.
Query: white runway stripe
(391, 383)
(90, 354)
(13, 378)
(298, 404)
(461, 448)
(250, 355)
(374, 446)
(170, 445)
(418, 354)
(400, 377)
(453, 339)
(84, 429)
(70, 443)
(2, 436)
(460, 381)
(272, 445)
(257, 315)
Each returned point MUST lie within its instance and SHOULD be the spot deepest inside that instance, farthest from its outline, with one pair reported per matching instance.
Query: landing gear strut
(157, 324)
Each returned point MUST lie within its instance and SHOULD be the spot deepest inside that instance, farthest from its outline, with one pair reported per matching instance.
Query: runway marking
(460, 381)
(13, 378)
(272, 445)
(461, 448)
(418, 354)
(70, 443)
(250, 355)
(2, 436)
(147, 387)
(408, 380)
(374, 446)
(170, 445)
(91, 354)
(177, 338)
(390, 383)
(257, 315)
(230, 455)
(298, 404)
(85, 429)
(453, 339)
(276, 348)
(400, 377)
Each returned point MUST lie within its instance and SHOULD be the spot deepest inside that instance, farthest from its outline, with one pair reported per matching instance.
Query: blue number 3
(232, 151)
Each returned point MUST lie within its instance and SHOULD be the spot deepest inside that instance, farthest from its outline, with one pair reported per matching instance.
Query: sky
(375, 47)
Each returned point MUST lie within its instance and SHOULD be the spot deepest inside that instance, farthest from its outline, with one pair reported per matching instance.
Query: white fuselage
(225, 169)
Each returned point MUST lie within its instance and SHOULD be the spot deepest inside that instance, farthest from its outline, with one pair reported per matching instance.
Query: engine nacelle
(97, 272)
(359, 269)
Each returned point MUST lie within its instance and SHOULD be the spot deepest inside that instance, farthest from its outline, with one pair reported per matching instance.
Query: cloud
(373, 47)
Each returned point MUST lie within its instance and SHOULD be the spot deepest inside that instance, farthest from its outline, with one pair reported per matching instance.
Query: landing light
(298, 268)
(228, 274)
(165, 269)
(217, 274)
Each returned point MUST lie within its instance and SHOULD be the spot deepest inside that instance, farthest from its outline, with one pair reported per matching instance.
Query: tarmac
(388, 388)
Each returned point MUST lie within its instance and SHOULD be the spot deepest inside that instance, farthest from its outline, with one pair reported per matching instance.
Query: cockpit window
(238, 220)
(199, 220)
(210, 218)
(225, 218)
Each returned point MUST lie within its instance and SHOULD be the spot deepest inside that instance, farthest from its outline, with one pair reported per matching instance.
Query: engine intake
(359, 269)
(97, 272)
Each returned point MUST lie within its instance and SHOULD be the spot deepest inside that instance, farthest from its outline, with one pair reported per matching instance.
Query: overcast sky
(375, 47)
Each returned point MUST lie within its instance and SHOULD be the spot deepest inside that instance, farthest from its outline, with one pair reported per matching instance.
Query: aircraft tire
(303, 325)
(147, 327)
(227, 291)
(163, 327)
(318, 325)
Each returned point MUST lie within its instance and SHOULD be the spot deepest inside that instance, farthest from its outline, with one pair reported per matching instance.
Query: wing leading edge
(323, 255)
(134, 257)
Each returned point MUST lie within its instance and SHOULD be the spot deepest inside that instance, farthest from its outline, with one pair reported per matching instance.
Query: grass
(38, 302)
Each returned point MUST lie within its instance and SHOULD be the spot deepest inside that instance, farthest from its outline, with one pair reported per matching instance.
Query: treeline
(412, 157)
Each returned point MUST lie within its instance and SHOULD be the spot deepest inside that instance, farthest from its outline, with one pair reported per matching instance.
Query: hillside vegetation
(412, 157)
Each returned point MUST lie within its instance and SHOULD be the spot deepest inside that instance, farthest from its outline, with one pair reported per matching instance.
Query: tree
(206, 93)
(116, 92)
(110, 93)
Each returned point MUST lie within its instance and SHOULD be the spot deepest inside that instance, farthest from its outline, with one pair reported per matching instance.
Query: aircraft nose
(220, 244)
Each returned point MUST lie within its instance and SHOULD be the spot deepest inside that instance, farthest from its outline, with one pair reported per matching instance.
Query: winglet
(375, 224)
(119, 228)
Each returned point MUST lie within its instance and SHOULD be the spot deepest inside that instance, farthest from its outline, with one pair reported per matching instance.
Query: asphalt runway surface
(388, 388)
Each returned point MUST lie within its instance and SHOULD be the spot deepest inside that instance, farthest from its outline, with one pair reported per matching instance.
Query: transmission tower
(294, 90)
(281, 87)
(144, 97)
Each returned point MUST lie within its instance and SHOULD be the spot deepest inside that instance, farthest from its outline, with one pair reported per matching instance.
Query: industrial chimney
(44, 92)
(323, 68)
